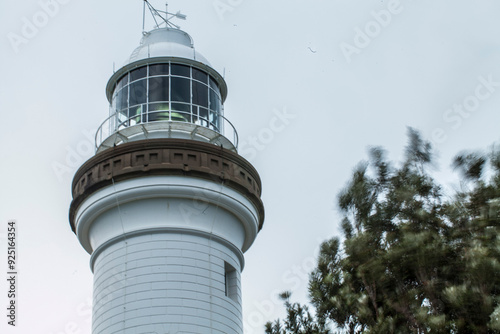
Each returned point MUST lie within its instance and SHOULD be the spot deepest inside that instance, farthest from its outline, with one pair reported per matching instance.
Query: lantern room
(166, 89)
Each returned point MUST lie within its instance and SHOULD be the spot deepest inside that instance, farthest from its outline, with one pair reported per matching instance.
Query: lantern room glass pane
(134, 114)
(159, 111)
(200, 94)
(183, 110)
(214, 101)
(200, 75)
(158, 69)
(159, 106)
(123, 81)
(203, 116)
(158, 89)
(214, 121)
(179, 116)
(214, 86)
(181, 70)
(184, 107)
(180, 90)
(139, 73)
(122, 99)
(122, 119)
(137, 92)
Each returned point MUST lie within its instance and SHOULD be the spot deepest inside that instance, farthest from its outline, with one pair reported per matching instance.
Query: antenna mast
(164, 17)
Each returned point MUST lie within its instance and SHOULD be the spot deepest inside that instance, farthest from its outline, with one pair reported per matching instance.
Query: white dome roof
(166, 42)
(163, 45)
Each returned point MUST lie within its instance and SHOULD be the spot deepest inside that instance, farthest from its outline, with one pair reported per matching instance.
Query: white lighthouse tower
(166, 207)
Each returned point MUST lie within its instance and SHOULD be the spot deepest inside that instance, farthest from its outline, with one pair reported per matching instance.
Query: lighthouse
(166, 207)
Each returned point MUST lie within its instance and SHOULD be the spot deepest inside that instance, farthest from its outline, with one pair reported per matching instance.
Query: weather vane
(160, 17)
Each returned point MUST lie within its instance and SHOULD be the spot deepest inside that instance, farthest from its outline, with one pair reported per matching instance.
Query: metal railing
(117, 124)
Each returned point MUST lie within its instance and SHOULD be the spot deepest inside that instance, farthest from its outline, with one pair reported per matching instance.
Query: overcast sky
(312, 84)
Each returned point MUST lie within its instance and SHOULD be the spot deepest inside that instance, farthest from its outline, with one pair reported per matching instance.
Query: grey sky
(311, 84)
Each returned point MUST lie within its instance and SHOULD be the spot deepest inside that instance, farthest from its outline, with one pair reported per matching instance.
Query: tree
(412, 260)
(299, 320)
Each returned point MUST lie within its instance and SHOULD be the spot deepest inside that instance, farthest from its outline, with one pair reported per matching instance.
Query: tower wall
(167, 282)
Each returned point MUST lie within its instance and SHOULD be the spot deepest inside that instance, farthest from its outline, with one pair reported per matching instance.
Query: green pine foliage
(411, 259)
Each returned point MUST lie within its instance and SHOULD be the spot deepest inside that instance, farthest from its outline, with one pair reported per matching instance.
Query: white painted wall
(165, 283)
(161, 247)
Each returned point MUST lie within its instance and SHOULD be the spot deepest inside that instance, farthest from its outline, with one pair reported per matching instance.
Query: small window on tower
(230, 282)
